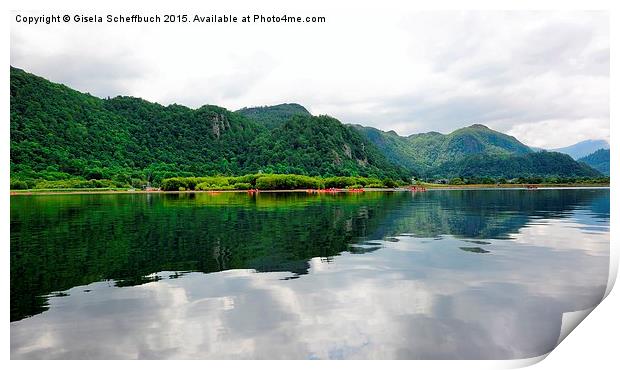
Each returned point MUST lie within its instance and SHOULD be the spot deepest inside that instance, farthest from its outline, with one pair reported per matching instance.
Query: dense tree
(598, 160)
(59, 134)
(541, 165)
(472, 152)
(64, 138)
(275, 115)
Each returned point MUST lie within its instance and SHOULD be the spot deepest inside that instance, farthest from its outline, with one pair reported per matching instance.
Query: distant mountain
(538, 164)
(432, 149)
(583, 148)
(474, 151)
(275, 115)
(435, 149)
(426, 151)
(598, 160)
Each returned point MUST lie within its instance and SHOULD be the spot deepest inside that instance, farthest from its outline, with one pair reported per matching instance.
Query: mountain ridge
(471, 151)
(598, 160)
(58, 133)
(582, 148)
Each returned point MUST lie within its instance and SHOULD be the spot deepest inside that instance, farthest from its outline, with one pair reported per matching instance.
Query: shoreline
(429, 187)
(514, 186)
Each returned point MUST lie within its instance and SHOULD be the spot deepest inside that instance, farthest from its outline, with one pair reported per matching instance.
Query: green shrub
(172, 184)
(375, 185)
(204, 186)
(282, 182)
(242, 186)
(250, 179)
(19, 185)
(272, 182)
(389, 183)
(75, 184)
(339, 182)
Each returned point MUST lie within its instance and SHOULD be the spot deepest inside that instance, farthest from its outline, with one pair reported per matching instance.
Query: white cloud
(525, 73)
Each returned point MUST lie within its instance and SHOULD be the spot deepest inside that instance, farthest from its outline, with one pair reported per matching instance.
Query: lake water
(472, 274)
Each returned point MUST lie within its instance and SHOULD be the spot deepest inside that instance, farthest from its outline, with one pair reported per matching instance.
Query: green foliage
(209, 185)
(422, 152)
(18, 184)
(273, 182)
(475, 152)
(192, 183)
(242, 186)
(77, 184)
(540, 164)
(59, 134)
(389, 183)
(343, 181)
(375, 185)
(320, 146)
(286, 182)
(274, 116)
(598, 160)
(456, 181)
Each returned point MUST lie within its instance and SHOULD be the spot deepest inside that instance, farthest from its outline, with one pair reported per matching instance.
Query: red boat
(417, 188)
(330, 190)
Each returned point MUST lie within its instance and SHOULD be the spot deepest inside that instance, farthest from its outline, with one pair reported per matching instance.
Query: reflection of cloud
(570, 238)
(417, 298)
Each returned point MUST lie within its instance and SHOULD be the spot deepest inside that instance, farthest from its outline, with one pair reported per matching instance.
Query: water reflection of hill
(58, 242)
(490, 214)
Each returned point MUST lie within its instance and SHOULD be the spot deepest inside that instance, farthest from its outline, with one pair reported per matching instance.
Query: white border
(594, 342)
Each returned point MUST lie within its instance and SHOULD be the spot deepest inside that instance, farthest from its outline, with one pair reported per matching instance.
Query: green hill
(530, 165)
(472, 140)
(59, 133)
(323, 146)
(432, 149)
(275, 115)
(598, 160)
(474, 151)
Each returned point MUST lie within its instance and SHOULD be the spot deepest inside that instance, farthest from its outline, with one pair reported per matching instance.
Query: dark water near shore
(463, 274)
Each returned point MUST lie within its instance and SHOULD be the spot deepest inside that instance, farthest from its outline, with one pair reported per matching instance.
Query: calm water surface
(474, 274)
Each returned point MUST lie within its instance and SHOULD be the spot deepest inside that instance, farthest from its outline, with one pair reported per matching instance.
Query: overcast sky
(542, 77)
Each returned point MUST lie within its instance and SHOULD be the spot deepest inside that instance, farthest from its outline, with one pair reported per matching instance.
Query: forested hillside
(531, 165)
(475, 151)
(275, 115)
(598, 160)
(58, 133)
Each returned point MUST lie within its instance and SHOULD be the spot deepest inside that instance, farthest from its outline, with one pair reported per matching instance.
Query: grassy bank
(288, 182)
